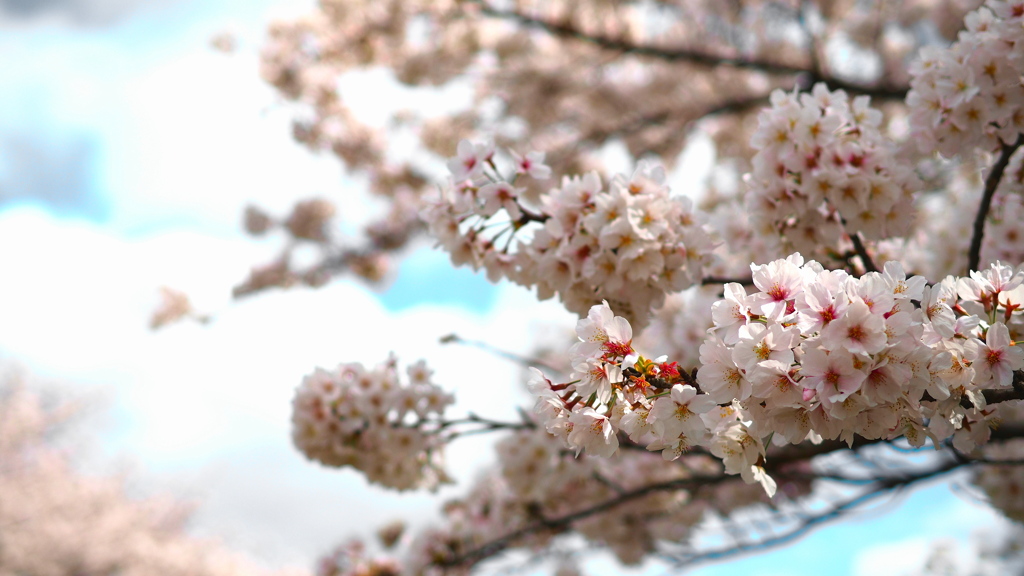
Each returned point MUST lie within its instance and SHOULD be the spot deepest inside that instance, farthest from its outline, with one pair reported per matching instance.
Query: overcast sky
(127, 151)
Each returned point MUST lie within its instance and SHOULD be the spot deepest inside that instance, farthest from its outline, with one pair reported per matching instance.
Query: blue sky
(127, 152)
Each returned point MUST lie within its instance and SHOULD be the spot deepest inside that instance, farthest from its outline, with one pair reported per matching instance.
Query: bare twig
(809, 521)
(524, 361)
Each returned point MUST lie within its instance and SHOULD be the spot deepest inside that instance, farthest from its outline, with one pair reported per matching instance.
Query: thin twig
(524, 361)
(809, 522)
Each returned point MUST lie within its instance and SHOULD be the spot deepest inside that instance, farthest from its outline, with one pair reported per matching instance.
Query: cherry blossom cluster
(798, 354)
(815, 353)
(809, 354)
(373, 421)
(561, 96)
(970, 95)
(823, 168)
(742, 242)
(653, 402)
(628, 243)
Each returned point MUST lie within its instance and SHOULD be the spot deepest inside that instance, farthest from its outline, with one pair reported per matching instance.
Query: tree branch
(778, 463)
(659, 117)
(1015, 393)
(874, 488)
(862, 251)
(807, 77)
(710, 280)
(991, 184)
(500, 544)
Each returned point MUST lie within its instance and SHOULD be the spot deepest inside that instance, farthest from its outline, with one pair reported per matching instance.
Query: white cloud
(901, 557)
(201, 135)
(188, 138)
(210, 405)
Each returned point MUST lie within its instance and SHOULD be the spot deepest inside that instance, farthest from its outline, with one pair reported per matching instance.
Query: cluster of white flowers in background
(969, 95)
(1003, 484)
(823, 168)
(629, 243)
(809, 354)
(369, 419)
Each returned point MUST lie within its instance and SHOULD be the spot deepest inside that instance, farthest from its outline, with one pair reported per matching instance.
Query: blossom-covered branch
(558, 91)
(759, 360)
(811, 354)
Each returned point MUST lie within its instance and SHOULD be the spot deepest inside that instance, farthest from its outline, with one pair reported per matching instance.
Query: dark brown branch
(529, 216)
(498, 545)
(635, 124)
(991, 184)
(862, 252)
(711, 280)
(738, 105)
(566, 30)
(775, 463)
(881, 485)
(807, 77)
(486, 425)
(472, 418)
(1005, 395)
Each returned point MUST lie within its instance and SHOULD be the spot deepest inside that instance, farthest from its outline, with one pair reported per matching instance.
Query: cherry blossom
(630, 243)
(996, 359)
(848, 281)
(370, 420)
